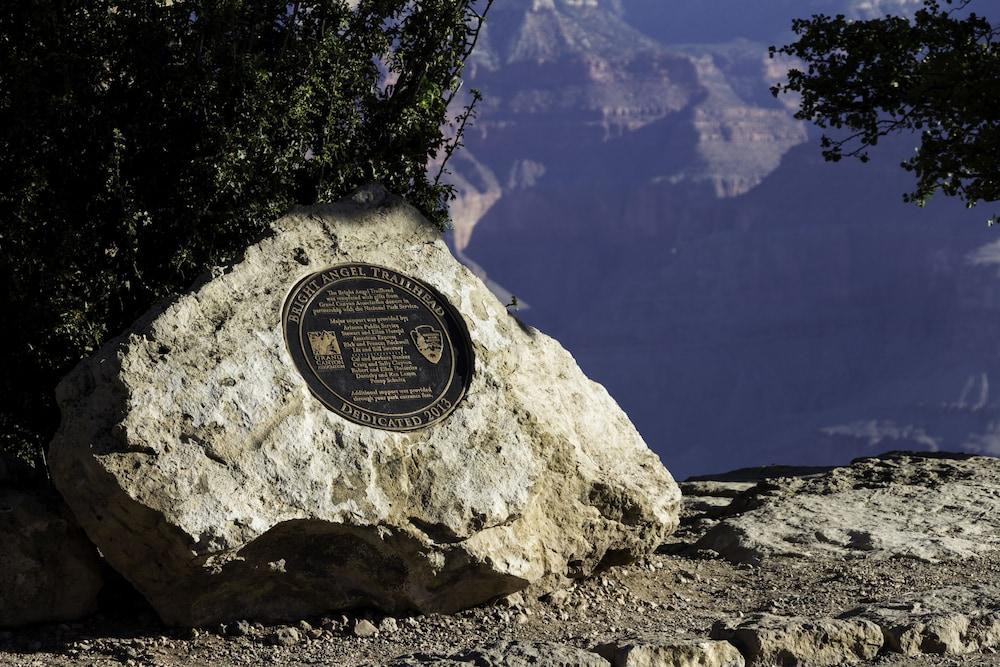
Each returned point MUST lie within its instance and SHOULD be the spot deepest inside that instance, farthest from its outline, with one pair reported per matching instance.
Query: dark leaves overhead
(936, 75)
(142, 142)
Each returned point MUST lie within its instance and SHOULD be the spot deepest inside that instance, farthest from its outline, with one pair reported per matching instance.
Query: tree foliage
(142, 142)
(937, 75)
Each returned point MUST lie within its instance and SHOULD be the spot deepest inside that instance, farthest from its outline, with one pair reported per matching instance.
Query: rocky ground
(900, 588)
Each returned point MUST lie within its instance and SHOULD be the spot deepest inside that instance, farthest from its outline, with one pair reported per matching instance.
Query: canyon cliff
(675, 226)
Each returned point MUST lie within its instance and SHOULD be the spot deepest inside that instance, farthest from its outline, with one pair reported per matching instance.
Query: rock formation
(196, 458)
(681, 606)
(774, 640)
(572, 87)
(50, 571)
(640, 188)
(898, 506)
(657, 650)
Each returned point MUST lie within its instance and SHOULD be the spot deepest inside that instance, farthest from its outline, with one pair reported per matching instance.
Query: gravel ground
(679, 591)
(668, 593)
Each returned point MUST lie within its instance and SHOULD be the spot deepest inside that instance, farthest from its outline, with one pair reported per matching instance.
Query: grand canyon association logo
(429, 342)
(326, 350)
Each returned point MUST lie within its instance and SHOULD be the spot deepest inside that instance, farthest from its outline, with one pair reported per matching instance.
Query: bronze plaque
(377, 347)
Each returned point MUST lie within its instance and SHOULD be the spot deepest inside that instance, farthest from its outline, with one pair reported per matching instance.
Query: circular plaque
(377, 347)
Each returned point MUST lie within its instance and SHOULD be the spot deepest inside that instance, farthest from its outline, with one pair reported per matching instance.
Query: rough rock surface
(49, 571)
(952, 620)
(766, 639)
(671, 595)
(899, 505)
(527, 654)
(666, 650)
(198, 461)
(508, 654)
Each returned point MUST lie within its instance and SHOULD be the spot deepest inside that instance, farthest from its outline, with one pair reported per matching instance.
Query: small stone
(241, 629)
(364, 628)
(513, 600)
(305, 627)
(556, 598)
(316, 633)
(388, 625)
(521, 619)
(286, 637)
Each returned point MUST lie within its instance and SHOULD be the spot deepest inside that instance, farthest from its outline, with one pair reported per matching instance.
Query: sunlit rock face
(574, 94)
(668, 220)
(209, 475)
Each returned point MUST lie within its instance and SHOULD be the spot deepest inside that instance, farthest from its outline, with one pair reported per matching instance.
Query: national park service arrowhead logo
(429, 342)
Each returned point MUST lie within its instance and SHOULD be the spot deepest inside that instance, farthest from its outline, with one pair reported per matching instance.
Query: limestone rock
(661, 650)
(765, 639)
(421, 660)
(507, 654)
(50, 571)
(198, 461)
(952, 620)
(714, 488)
(709, 506)
(364, 628)
(874, 508)
(530, 654)
(286, 637)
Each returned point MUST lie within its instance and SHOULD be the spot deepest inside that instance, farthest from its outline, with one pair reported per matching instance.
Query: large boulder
(197, 459)
(50, 571)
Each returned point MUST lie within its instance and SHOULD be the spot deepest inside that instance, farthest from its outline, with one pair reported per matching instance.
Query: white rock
(286, 637)
(952, 620)
(875, 508)
(364, 628)
(764, 639)
(663, 650)
(201, 465)
(529, 654)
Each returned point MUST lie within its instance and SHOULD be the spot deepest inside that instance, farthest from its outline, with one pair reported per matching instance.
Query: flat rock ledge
(900, 505)
(197, 460)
